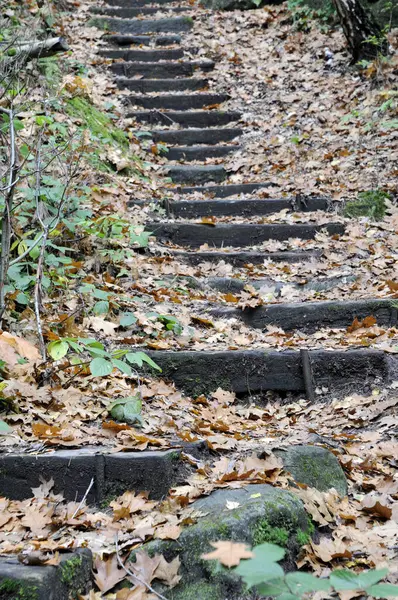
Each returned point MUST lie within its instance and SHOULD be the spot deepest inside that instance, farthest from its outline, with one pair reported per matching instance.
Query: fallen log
(28, 50)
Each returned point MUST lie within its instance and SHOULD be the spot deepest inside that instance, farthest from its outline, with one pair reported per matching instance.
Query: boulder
(314, 466)
(252, 515)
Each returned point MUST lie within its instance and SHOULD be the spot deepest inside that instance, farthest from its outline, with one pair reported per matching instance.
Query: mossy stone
(259, 513)
(314, 466)
(378, 9)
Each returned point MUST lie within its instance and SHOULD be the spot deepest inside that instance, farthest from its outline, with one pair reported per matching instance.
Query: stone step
(178, 101)
(240, 235)
(311, 316)
(145, 86)
(254, 371)
(140, 26)
(202, 153)
(134, 11)
(142, 55)
(70, 579)
(224, 191)
(72, 471)
(241, 258)
(195, 118)
(190, 137)
(192, 209)
(160, 70)
(196, 175)
(142, 40)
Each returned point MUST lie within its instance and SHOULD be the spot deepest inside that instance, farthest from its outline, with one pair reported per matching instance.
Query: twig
(141, 581)
(84, 498)
(307, 374)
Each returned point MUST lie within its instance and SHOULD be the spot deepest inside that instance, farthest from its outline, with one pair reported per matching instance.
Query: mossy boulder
(66, 581)
(254, 515)
(314, 466)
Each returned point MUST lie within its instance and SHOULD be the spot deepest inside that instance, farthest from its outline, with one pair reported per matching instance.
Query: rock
(63, 582)
(236, 4)
(260, 513)
(377, 7)
(314, 466)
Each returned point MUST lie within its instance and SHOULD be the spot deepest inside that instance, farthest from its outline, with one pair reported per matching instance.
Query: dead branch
(141, 581)
(6, 226)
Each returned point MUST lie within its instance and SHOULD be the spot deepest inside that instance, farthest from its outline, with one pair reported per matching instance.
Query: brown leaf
(228, 553)
(168, 572)
(113, 426)
(37, 520)
(377, 504)
(107, 573)
(366, 322)
(42, 430)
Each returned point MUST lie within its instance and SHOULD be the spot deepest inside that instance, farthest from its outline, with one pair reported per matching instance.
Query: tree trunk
(364, 36)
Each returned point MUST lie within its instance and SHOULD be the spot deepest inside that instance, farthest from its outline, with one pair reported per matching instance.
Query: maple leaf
(37, 520)
(168, 572)
(228, 553)
(144, 566)
(107, 573)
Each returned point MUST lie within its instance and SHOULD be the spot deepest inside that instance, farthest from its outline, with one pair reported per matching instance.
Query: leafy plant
(91, 354)
(263, 572)
(303, 15)
(127, 409)
(368, 204)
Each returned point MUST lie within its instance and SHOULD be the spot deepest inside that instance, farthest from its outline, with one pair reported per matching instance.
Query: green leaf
(58, 349)
(149, 361)
(262, 567)
(342, 579)
(288, 596)
(127, 319)
(301, 583)
(383, 590)
(4, 428)
(101, 295)
(101, 307)
(22, 298)
(275, 587)
(100, 367)
(122, 366)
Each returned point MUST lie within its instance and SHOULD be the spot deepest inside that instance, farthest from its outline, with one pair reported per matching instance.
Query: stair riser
(237, 236)
(153, 70)
(197, 176)
(138, 26)
(73, 470)
(142, 55)
(178, 102)
(144, 86)
(132, 3)
(142, 40)
(241, 259)
(199, 153)
(258, 371)
(190, 137)
(310, 316)
(185, 119)
(225, 191)
(131, 12)
(238, 208)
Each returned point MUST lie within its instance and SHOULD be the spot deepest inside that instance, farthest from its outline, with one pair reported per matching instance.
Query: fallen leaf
(228, 553)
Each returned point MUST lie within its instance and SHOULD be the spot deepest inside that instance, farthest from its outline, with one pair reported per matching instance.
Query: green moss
(99, 123)
(264, 532)
(188, 20)
(368, 204)
(99, 23)
(18, 589)
(104, 504)
(302, 538)
(201, 590)
(69, 570)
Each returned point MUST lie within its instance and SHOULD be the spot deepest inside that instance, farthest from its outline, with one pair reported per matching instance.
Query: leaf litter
(360, 530)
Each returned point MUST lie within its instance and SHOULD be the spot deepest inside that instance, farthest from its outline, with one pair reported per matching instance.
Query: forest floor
(313, 126)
